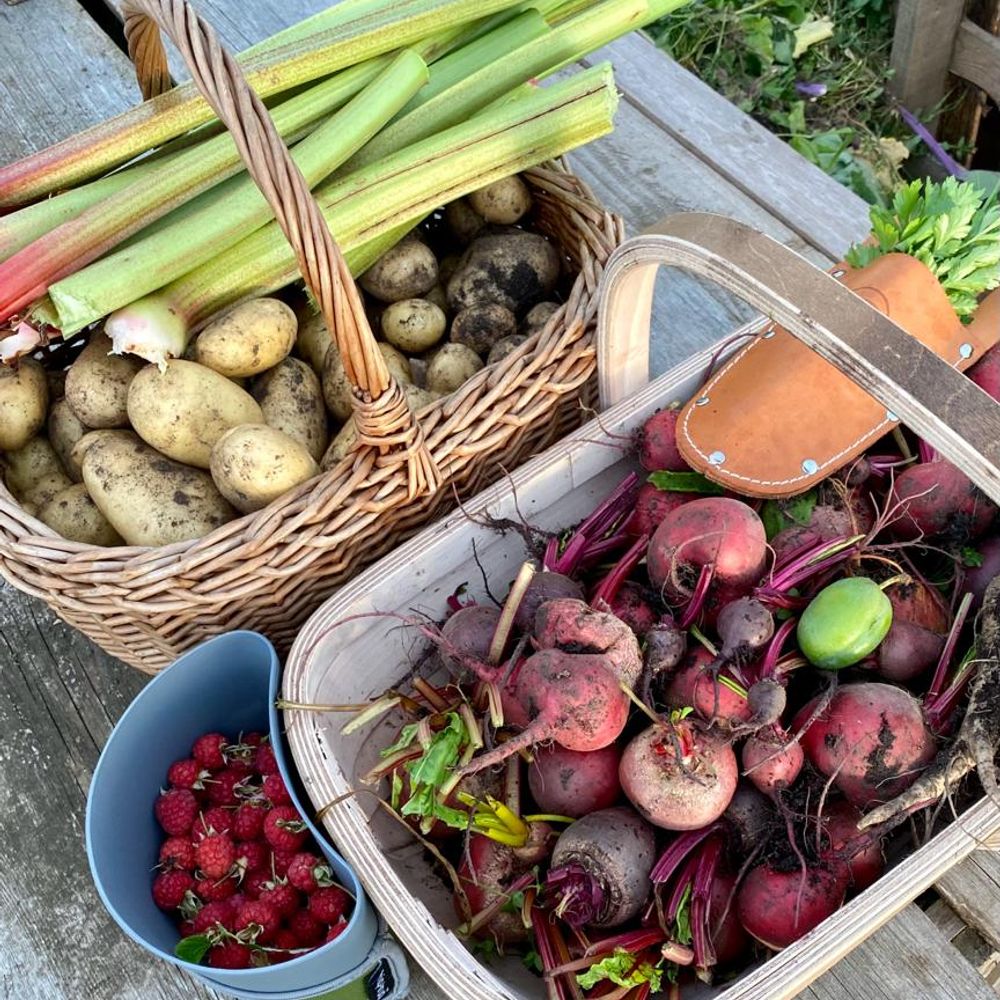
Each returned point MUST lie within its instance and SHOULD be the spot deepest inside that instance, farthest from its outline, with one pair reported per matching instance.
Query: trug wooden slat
(977, 58)
(972, 889)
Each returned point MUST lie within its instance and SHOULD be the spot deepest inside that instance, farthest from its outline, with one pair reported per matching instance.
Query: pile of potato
(115, 451)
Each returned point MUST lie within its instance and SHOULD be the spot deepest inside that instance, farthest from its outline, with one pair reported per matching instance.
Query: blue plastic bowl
(222, 685)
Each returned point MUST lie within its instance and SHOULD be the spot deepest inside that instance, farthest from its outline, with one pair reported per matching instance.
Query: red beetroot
(652, 505)
(679, 780)
(937, 500)
(862, 855)
(978, 578)
(771, 761)
(485, 872)
(716, 534)
(657, 443)
(986, 372)
(571, 783)
(779, 907)
(468, 634)
(630, 606)
(544, 586)
(729, 939)
(693, 685)
(873, 737)
(920, 622)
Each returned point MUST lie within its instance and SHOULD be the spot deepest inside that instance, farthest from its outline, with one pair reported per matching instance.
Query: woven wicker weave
(269, 570)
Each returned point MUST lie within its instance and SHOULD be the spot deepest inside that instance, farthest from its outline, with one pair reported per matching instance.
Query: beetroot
(826, 524)
(744, 626)
(873, 737)
(544, 586)
(716, 535)
(486, 871)
(694, 686)
(751, 816)
(986, 372)
(977, 578)
(630, 606)
(729, 939)
(937, 500)
(779, 907)
(652, 505)
(915, 640)
(771, 761)
(599, 874)
(467, 635)
(859, 851)
(658, 443)
(573, 783)
(574, 627)
(665, 648)
(680, 778)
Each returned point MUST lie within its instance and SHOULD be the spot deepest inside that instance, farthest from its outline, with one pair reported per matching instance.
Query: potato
(413, 325)
(74, 515)
(537, 317)
(57, 383)
(503, 347)
(249, 339)
(149, 499)
(65, 429)
(480, 327)
(513, 269)
(407, 270)
(183, 410)
(291, 399)
(97, 384)
(346, 438)
(463, 221)
(451, 367)
(336, 388)
(438, 297)
(24, 401)
(34, 473)
(446, 268)
(80, 448)
(313, 340)
(503, 202)
(254, 464)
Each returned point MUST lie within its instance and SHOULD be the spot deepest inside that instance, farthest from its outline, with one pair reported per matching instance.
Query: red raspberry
(187, 774)
(236, 900)
(309, 872)
(208, 751)
(186, 927)
(219, 912)
(255, 883)
(335, 931)
(214, 820)
(212, 891)
(283, 897)
(252, 739)
(215, 855)
(275, 790)
(280, 860)
(169, 889)
(175, 810)
(229, 954)
(287, 942)
(265, 761)
(228, 787)
(264, 915)
(252, 856)
(306, 928)
(284, 829)
(177, 852)
(248, 821)
(328, 905)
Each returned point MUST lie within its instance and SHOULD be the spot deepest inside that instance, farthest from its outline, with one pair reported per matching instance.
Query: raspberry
(252, 739)
(309, 872)
(186, 927)
(287, 943)
(170, 888)
(280, 860)
(208, 751)
(306, 928)
(187, 774)
(177, 852)
(255, 883)
(328, 904)
(265, 761)
(219, 912)
(215, 855)
(228, 787)
(261, 914)
(236, 900)
(283, 897)
(212, 891)
(252, 856)
(335, 931)
(229, 954)
(284, 829)
(248, 821)
(175, 810)
(214, 820)
(275, 790)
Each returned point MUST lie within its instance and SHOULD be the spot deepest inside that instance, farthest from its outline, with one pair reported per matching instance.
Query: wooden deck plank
(972, 890)
(908, 958)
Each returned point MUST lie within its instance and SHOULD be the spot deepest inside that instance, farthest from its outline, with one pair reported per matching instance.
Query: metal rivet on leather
(889, 415)
(717, 457)
(769, 334)
(810, 466)
(839, 273)
(965, 350)
(701, 401)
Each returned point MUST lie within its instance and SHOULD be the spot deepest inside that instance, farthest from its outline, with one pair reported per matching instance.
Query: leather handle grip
(939, 403)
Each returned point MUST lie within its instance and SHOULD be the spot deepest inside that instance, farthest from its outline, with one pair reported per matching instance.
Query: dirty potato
(452, 366)
(33, 473)
(503, 202)
(74, 515)
(24, 401)
(291, 399)
(503, 347)
(481, 326)
(313, 340)
(247, 340)
(65, 429)
(336, 387)
(405, 272)
(97, 384)
(413, 325)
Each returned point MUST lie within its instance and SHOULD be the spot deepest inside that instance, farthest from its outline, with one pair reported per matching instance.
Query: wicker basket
(556, 490)
(269, 570)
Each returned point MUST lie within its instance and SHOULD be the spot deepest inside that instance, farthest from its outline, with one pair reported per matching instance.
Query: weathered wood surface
(678, 147)
(977, 58)
(972, 890)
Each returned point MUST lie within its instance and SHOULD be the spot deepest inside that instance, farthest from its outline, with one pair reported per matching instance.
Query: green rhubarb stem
(28, 274)
(367, 205)
(370, 32)
(583, 33)
(234, 210)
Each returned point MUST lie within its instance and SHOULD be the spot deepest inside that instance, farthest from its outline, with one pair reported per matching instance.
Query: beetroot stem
(698, 597)
(944, 660)
(770, 659)
(607, 590)
(679, 849)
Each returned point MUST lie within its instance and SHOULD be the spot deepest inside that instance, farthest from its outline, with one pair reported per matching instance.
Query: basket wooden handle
(381, 412)
(939, 403)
